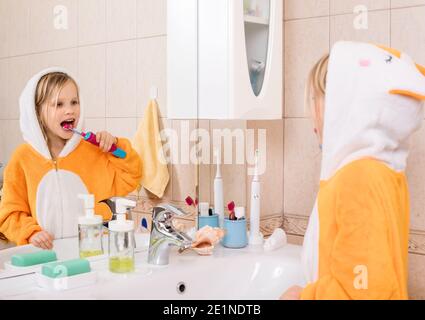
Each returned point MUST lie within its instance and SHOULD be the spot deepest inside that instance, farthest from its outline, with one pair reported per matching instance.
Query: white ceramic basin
(229, 274)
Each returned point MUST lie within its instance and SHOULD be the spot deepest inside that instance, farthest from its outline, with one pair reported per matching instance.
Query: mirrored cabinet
(225, 59)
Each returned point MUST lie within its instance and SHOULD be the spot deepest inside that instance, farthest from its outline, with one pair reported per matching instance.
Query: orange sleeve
(16, 222)
(126, 173)
(362, 261)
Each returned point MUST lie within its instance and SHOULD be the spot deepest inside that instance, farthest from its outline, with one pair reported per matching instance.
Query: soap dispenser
(90, 229)
(121, 239)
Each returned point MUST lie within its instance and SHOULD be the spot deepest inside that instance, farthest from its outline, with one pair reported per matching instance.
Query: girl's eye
(389, 59)
(60, 104)
(74, 103)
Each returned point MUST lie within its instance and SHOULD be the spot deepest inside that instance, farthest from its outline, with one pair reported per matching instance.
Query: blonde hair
(47, 92)
(316, 89)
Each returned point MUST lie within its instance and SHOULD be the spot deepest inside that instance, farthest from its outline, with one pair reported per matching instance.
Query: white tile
(91, 21)
(151, 18)
(92, 79)
(122, 127)
(53, 24)
(120, 19)
(348, 6)
(19, 27)
(67, 59)
(408, 32)
(377, 31)
(95, 124)
(10, 139)
(152, 71)
(121, 79)
(406, 3)
(4, 28)
(296, 9)
(16, 75)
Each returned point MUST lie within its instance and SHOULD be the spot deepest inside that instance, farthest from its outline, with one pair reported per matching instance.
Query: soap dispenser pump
(121, 239)
(255, 236)
(90, 229)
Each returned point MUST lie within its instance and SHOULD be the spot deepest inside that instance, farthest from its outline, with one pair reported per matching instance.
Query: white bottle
(218, 192)
(255, 236)
(90, 229)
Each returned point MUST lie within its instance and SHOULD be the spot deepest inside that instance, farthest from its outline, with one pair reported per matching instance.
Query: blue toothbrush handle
(119, 153)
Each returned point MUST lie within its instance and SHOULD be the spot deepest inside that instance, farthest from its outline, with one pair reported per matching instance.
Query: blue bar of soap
(66, 268)
(31, 259)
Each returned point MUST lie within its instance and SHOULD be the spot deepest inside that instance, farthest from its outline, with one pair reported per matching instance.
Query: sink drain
(181, 287)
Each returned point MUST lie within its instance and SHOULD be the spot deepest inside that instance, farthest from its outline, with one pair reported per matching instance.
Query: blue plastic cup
(211, 221)
(235, 236)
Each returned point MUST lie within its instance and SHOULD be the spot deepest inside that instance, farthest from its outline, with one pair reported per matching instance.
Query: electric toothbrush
(255, 236)
(91, 137)
(218, 191)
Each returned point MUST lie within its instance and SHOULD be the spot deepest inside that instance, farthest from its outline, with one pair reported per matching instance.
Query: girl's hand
(105, 140)
(42, 239)
(293, 293)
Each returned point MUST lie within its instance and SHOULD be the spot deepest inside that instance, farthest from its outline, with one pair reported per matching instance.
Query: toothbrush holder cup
(236, 234)
(211, 221)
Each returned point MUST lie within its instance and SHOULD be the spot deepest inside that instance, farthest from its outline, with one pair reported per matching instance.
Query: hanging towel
(147, 143)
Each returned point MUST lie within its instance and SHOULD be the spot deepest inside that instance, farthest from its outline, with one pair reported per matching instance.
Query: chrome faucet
(164, 235)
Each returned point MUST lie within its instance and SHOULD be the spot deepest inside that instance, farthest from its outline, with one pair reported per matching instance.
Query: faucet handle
(165, 212)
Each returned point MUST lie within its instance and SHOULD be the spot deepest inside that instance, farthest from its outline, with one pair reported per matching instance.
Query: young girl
(45, 175)
(366, 103)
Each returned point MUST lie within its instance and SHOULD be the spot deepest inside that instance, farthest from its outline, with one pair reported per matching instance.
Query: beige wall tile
(301, 167)
(184, 172)
(10, 139)
(408, 32)
(67, 59)
(15, 73)
(233, 173)
(121, 79)
(47, 26)
(4, 28)
(19, 33)
(95, 124)
(205, 182)
(91, 21)
(416, 177)
(92, 78)
(416, 277)
(120, 19)
(406, 3)
(378, 31)
(272, 178)
(347, 6)
(122, 127)
(152, 71)
(306, 41)
(296, 9)
(151, 18)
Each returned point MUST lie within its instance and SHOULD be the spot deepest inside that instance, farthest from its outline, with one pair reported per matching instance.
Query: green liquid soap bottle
(90, 229)
(121, 240)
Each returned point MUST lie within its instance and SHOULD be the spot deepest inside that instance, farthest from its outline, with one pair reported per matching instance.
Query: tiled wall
(311, 28)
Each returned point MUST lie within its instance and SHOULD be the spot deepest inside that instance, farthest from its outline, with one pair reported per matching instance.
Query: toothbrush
(218, 191)
(255, 238)
(91, 137)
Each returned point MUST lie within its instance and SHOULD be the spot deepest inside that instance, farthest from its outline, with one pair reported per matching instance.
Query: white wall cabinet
(225, 59)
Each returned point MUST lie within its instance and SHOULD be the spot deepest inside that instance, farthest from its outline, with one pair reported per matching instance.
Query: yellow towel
(147, 143)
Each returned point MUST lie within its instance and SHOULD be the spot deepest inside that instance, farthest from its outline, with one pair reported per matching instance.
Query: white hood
(369, 109)
(30, 127)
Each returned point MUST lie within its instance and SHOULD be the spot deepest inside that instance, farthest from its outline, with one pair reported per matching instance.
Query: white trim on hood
(29, 125)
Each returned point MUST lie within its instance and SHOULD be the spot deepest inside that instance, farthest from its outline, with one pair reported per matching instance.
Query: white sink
(229, 274)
